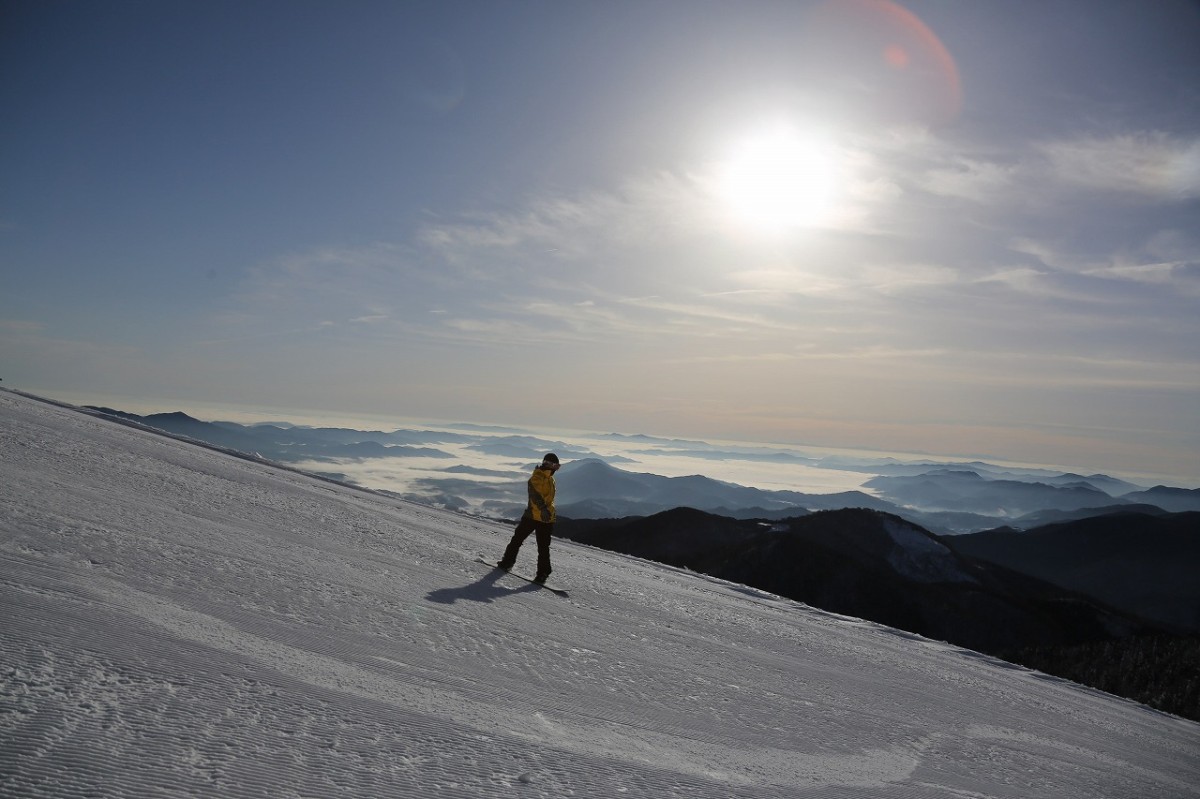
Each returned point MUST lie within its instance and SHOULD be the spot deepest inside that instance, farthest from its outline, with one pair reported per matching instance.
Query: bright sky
(955, 228)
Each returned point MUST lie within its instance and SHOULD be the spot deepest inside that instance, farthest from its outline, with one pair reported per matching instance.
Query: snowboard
(529, 580)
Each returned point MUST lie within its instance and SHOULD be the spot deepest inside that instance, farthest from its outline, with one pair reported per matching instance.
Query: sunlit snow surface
(179, 622)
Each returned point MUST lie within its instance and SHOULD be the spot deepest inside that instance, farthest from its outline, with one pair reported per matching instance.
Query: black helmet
(550, 458)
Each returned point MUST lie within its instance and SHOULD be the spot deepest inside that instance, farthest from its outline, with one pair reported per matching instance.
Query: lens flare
(885, 56)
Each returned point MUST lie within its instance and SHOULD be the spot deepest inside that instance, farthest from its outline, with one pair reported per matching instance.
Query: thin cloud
(1083, 371)
(1152, 165)
(711, 319)
(577, 227)
(877, 353)
(1183, 277)
(1026, 280)
(1141, 265)
(971, 179)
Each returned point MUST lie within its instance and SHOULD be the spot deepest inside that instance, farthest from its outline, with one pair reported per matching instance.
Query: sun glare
(779, 179)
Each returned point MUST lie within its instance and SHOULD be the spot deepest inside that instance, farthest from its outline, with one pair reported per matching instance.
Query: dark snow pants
(526, 526)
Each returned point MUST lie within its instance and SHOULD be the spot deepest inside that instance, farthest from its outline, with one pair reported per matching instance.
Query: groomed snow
(178, 622)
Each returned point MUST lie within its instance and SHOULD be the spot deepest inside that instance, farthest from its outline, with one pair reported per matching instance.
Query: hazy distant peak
(172, 416)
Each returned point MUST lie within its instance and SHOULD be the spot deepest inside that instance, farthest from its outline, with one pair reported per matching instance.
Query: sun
(779, 178)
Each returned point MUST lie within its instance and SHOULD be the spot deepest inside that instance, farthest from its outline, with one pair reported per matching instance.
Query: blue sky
(960, 228)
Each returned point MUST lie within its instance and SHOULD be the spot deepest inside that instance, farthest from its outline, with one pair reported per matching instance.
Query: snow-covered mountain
(180, 622)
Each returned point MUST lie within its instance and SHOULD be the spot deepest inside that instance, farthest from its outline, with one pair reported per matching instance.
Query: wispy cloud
(1152, 165)
(1169, 260)
(1179, 276)
(972, 179)
(878, 354)
(581, 227)
(1054, 179)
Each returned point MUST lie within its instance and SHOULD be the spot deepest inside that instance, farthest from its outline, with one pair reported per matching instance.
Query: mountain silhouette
(1176, 500)
(1145, 564)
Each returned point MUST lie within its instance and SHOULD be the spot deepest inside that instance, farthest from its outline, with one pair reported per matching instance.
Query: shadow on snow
(485, 589)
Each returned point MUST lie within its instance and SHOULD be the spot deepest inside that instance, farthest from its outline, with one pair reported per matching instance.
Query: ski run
(176, 621)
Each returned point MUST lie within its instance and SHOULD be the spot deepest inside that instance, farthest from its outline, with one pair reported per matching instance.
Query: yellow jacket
(541, 495)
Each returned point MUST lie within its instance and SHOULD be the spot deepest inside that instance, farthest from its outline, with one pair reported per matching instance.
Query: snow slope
(178, 622)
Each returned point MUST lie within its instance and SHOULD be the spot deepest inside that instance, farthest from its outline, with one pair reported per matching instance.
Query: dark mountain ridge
(1145, 563)
(1176, 500)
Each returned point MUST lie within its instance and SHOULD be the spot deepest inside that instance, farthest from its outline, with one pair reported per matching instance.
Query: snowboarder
(538, 518)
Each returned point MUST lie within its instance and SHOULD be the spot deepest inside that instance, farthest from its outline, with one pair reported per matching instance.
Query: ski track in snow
(177, 622)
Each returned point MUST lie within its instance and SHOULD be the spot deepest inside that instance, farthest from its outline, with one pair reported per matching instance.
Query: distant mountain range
(970, 491)
(591, 488)
(943, 498)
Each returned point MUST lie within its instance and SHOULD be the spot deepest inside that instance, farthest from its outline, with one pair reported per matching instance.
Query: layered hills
(943, 498)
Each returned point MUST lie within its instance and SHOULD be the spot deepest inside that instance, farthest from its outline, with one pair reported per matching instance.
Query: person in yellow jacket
(539, 518)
